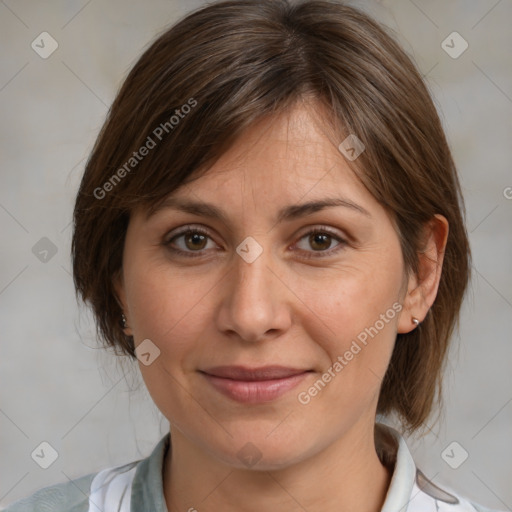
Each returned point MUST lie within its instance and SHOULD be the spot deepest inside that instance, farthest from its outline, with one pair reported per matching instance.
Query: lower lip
(254, 392)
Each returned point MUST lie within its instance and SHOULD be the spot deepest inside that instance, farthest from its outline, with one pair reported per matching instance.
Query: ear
(118, 282)
(422, 288)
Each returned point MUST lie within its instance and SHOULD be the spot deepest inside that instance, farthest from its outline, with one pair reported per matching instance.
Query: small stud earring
(416, 321)
(123, 319)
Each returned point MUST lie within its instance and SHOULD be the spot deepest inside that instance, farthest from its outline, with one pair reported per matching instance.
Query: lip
(254, 385)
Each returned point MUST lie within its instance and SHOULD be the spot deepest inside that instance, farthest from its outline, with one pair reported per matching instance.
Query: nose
(255, 303)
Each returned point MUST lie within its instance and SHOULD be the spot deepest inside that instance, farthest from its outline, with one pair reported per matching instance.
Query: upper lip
(253, 374)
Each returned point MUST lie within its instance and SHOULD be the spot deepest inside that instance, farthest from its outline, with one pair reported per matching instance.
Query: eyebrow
(287, 213)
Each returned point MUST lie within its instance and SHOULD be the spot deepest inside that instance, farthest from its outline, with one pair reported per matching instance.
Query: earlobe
(422, 288)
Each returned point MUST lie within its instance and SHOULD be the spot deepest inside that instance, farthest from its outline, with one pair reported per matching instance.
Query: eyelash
(321, 254)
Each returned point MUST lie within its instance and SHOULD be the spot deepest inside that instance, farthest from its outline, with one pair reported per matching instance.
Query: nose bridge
(251, 275)
(252, 304)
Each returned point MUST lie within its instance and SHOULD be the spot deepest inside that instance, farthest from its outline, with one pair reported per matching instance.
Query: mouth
(254, 385)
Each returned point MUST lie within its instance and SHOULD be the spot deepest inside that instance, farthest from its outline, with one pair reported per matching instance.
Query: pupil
(323, 240)
(194, 239)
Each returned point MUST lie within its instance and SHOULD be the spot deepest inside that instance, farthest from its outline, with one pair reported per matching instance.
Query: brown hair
(226, 65)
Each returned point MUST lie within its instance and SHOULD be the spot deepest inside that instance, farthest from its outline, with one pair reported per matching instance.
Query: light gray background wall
(57, 386)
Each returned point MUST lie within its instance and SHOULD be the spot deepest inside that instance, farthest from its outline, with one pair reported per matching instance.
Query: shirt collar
(394, 453)
(147, 487)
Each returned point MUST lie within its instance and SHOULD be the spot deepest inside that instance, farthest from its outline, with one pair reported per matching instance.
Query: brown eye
(195, 240)
(190, 242)
(320, 241)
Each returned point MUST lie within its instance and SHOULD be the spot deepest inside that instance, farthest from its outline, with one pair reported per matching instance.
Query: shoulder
(472, 506)
(410, 490)
(111, 489)
(71, 496)
(428, 496)
(108, 489)
(481, 508)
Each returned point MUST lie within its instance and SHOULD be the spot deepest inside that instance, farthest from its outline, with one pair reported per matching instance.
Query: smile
(252, 386)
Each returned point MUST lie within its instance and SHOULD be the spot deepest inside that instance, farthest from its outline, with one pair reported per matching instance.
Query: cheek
(161, 302)
(174, 312)
(355, 317)
(167, 309)
(356, 335)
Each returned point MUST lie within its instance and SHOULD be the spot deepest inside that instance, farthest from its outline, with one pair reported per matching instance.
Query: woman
(272, 224)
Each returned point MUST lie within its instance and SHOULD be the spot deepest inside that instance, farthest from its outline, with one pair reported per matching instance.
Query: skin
(281, 309)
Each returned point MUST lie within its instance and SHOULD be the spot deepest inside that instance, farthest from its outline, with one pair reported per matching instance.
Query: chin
(261, 451)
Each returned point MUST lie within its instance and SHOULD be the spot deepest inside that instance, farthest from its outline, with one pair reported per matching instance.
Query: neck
(345, 476)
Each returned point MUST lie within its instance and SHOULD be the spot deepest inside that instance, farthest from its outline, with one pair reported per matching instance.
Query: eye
(194, 241)
(191, 240)
(320, 240)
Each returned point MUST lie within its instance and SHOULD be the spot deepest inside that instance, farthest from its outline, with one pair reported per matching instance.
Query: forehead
(288, 155)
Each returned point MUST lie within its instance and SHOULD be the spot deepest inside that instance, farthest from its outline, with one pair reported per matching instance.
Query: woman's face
(257, 289)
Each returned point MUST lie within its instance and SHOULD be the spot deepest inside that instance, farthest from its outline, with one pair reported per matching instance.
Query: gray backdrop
(58, 387)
